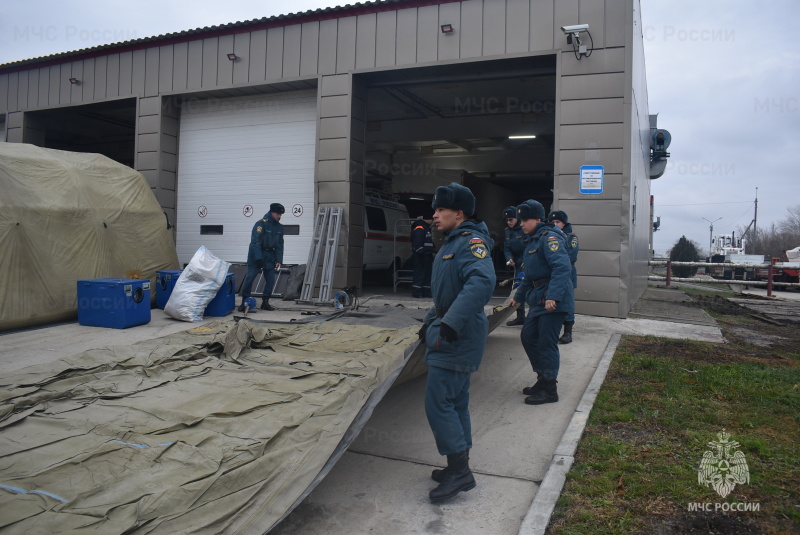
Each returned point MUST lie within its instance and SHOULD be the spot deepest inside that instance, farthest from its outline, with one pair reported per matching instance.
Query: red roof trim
(232, 28)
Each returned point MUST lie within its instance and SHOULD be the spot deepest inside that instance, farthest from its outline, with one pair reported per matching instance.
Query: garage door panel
(245, 151)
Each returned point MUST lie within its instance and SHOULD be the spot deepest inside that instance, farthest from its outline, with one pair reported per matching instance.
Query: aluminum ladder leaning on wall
(326, 234)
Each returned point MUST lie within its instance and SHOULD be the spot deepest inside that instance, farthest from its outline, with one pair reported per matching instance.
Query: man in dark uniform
(265, 254)
(455, 332)
(513, 248)
(422, 246)
(560, 219)
(551, 298)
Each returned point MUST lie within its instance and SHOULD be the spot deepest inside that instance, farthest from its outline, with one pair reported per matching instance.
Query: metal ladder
(327, 224)
(331, 248)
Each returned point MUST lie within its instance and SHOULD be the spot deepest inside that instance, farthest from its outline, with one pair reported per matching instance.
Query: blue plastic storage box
(165, 282)
(115, 303)
(225, 300)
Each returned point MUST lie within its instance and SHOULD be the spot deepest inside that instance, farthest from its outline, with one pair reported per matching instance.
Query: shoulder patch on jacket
(574, 242)
(553, 245)
(259, 229)
(478, 248)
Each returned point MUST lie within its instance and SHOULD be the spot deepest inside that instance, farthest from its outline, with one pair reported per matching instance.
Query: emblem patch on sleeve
(478, 248)
(553, 245)
(259, 229)
(574, 242)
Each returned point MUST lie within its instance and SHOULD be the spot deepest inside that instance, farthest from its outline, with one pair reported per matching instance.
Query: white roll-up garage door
(236, 157)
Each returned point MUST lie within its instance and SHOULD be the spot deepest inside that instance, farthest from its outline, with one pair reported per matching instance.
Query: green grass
(662, 402)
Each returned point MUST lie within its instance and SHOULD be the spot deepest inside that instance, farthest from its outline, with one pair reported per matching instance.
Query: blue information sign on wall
(591, 179)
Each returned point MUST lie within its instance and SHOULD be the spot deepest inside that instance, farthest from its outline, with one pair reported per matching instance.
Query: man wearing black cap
(560, 219)
(455, 332)
(423, 249)
(547, 287)
(265, 254)
(513, 248)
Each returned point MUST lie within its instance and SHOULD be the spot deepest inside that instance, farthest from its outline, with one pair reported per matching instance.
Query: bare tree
(781, 236)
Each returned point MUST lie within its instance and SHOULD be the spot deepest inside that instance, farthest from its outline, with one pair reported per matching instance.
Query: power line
(706, 203)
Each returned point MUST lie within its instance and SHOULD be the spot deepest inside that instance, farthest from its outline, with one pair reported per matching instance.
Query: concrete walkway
(520, 453)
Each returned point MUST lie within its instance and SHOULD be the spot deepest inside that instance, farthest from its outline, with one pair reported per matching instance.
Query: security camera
(577, 28)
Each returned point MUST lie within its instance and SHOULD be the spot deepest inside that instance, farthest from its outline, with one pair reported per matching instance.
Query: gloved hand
(448, 333)
(260, 264)
(423, 330)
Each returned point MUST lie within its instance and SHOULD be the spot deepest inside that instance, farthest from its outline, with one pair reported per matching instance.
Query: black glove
(423, 330)
(260, 264)
(448, 333)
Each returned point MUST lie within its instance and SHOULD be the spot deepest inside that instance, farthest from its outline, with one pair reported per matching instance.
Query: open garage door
(236, 156)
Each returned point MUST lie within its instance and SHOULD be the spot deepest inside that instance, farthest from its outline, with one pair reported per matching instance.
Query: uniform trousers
(540, 339)
(447, 408)
(252, 273)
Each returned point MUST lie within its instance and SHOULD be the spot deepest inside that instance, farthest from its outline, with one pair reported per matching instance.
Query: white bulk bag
(197, 286)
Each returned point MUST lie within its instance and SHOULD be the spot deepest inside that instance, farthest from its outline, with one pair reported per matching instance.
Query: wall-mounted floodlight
(232, 56)
(74, 81)
(447, 28)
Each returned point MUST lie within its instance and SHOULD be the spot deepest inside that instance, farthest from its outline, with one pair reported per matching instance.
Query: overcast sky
(723, 75)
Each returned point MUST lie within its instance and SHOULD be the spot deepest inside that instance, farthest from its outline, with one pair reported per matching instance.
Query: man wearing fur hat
(455, 332)
(265, 254)
(560, 219)
(513, 248)
(547, 287)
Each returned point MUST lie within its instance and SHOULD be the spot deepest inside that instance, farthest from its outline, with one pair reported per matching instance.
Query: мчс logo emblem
(724, 466)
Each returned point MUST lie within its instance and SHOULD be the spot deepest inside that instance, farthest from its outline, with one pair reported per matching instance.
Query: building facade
(316, 108)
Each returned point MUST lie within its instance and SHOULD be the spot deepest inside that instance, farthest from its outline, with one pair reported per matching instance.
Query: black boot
(457, 478)
(519, 320)
(439, 473)
(566, 338)
(266, 306)
(547, 394)
(531, 390)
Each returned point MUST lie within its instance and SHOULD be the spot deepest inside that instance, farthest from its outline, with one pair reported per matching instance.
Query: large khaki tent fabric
(219, 429)
(67, 216)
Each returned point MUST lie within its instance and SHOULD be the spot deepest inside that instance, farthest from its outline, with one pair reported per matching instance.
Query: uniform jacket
(514, 244)
(462, 283)
(573, 248)
(266, 241)
(546, 257)
(421, 237)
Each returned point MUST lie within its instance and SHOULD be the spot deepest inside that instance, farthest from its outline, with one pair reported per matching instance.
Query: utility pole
(711, 234)
(755, 219)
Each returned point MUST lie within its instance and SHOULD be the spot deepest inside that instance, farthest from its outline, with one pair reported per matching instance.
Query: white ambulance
(387, 232)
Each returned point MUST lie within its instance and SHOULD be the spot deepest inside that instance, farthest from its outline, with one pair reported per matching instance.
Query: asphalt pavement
(520, 453)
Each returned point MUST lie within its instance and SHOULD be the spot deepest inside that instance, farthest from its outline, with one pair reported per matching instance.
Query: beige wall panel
(4, 93)
(65, 88)
(406, 36)
(169, 162)
(593, 86)
(146, 161)
(153, 178)
(333, 127)
(139, 72)
(346, 44)
(427, 34)
(112, 77)
(542, 27)
(100, 76)
(167, 179)
(570, 161)
(448, 44)
(149, 106)
(13, 88)
(386, 39)
(54, 98)
(569, 187)
(595, 288)
(338, 192)
(22, 91)
(169, 144)
(224, 65)
(518, 20)
(309, 48)
(592, 136)
(44, 88)
(208, 78)
(332, 170)
(333, 149)
(125, 73)
(593, 13)
(566, 13)
(194, 77)
(470, 34)
(165, 197)
(606, 310)
(148, 142)
(292, 38)
(602, 61)
(14, 120)
(598, 263)
(334, 106)
(180, 64)
(241, 67)
(169, 126)
(257, 56)
(598, 237)
(328, 30)
(77, 90)
(366, 28)
(335, 85)
(33, 89)
(494, 27)
(592, 211)
(166, 69)
(148, 124)
(151, 71)
(601, 110)
(616, 22)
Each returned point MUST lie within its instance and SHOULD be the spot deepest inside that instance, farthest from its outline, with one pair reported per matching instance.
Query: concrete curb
(538, 517)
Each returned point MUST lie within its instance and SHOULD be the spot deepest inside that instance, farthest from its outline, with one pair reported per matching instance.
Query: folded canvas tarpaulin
(219, 429)
(68, 216)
